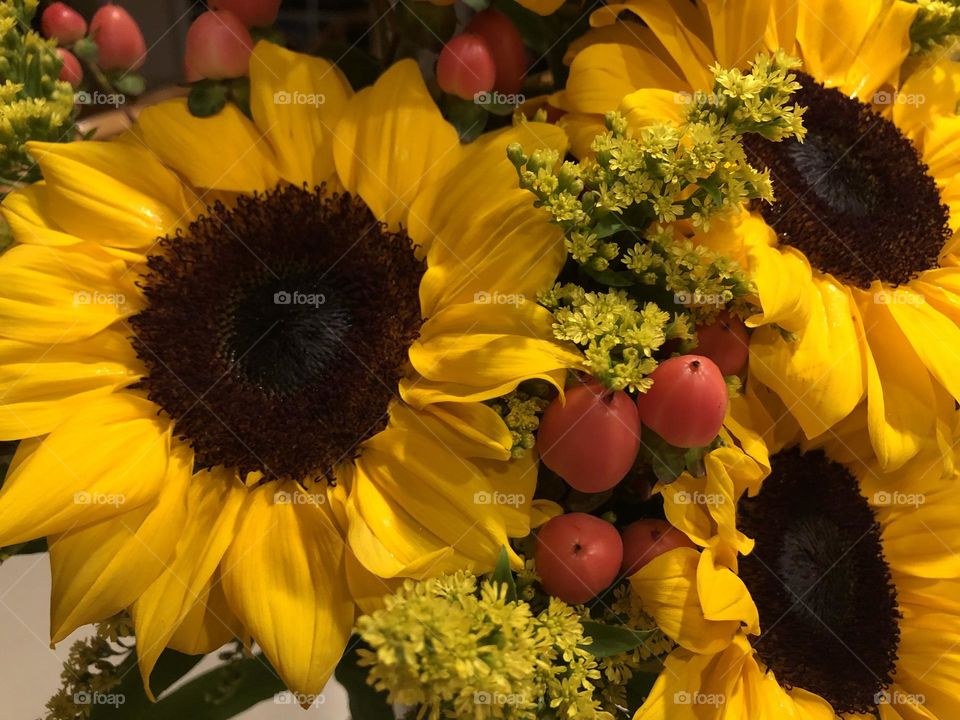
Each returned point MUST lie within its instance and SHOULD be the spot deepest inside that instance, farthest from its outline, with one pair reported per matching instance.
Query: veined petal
(668, 591)
(108, 458)
(285, 579)
(473, 430)
(26, 212)
(209, 624)
(820, 375)
(113, 193)
(223, 152)
(101, 569)
(391, 140)
(739, 29)
(490, 347)
(297, 100)
(924, 543)
(724, 596)
(214, 500)
(62, 294)
(43, 385)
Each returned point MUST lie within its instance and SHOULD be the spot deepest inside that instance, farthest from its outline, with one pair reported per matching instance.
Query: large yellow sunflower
(844, 604)
(855, 262)
(243, 397)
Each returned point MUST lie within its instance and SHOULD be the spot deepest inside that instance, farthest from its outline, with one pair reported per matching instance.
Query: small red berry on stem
(506, 47)
(71, 71)
(253, 13)
(592, 440)
(218, 46)
(646, 539)
(466, 67)
(577, 556)
(687, 402)
(726, 342)
(120, 44)
(62, 23)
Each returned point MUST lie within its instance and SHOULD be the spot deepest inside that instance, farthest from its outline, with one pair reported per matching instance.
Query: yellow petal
(723, 595)
(392, 139)
(928, 662)
(108, 458)
(623, 32)
(366, 589)
(936, 89)
(667, 589)
(214, 500)
(414, 497)
(43, 385)
(62, 294)
(223, 152)
(581, 130)
(473, 430)
(678, 27)
(297, 100)
(924, 543)
(101, 569)
(209, 624)
(900, 395)
(820, 375)
(647, 107)
(285, 579)
(25, 210)
(739, 28)
(491, 347)
(782, 276)
(505, 249)
(855, 46)
(113, 193)
(541, 7)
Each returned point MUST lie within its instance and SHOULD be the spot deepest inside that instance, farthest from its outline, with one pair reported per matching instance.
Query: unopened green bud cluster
(936, 25)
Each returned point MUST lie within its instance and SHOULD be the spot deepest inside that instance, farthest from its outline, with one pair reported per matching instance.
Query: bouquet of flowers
(541, 360)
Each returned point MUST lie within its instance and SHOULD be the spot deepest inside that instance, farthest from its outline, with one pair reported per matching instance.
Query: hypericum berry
(687, 402)
(466, 67)
(593, 439)
(62, 23)
(71, 71)
(506, 47)
(120, 44)
(218, 46)
(578, 556)
(253, 13)
(646, 539)
(726, 342)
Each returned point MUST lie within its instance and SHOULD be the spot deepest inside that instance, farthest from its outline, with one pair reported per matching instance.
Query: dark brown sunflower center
(829, 618)
(854, 197)
(275, 332)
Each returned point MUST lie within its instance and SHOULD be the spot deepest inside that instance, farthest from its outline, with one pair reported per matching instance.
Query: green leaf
(639, 687)
(503, 575)
(128, 83)
(466, 116)
(611, 640)
(224, 692)
(207, 98)
(613, 278)
(365, 702)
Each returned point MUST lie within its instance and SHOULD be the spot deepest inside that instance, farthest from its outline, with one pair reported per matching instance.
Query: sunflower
(855, 262)
(248, 360)
(845, 603)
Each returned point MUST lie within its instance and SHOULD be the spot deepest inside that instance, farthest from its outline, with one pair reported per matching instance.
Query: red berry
(466, 67)
(592, 440)
(62, 23)
(687, 402)
(506, 47)
(120, 43)
(646, 539)
(726, 342)
(578, 556)
(71, 70)
(253, 13)
(218, 46)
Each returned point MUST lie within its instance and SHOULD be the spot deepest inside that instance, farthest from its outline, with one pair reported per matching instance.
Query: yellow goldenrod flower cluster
(34, 103)
(937, 24)
(521, 413)
(458, 647)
